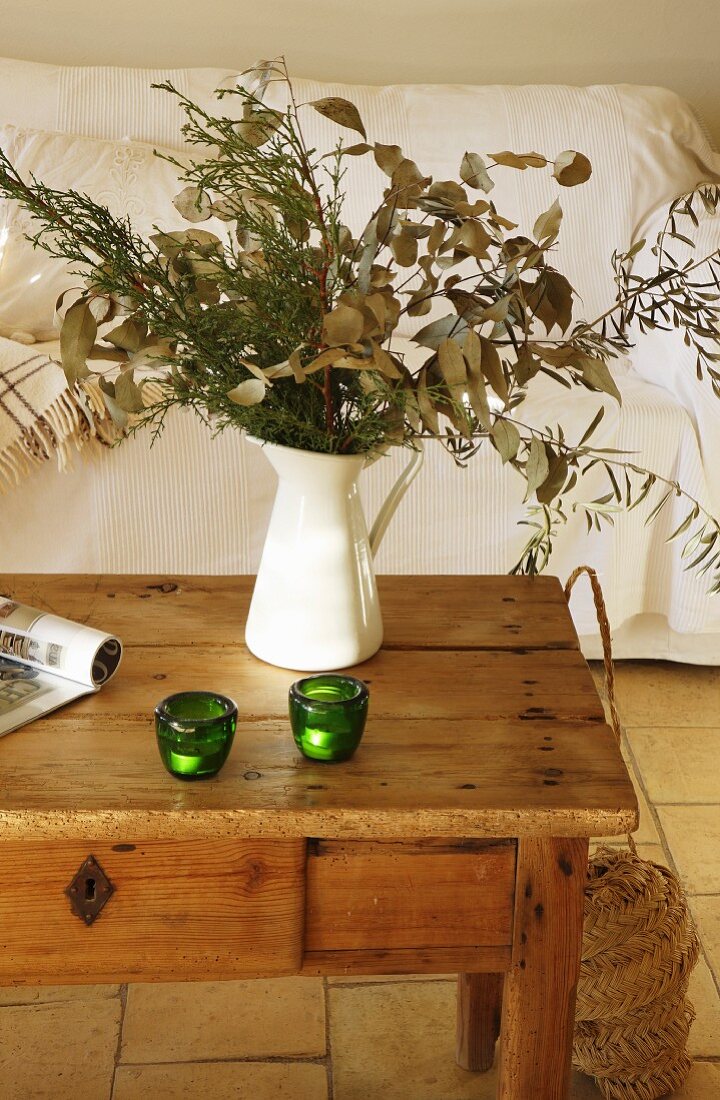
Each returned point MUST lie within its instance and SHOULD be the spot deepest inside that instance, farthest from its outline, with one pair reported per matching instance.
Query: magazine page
(46, 661)
(27, 693)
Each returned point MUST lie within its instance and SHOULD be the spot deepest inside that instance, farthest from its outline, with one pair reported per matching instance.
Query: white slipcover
(193, 504)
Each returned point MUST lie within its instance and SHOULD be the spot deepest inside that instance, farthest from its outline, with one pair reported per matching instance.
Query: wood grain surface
(364, 895)
(180, 910)
(538, 1005)
(484, 722)
(479, 1004)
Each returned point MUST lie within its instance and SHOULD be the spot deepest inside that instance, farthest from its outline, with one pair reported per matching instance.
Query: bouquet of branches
(284, 324)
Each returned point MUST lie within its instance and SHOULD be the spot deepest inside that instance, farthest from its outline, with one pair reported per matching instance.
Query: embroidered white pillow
(124, 176)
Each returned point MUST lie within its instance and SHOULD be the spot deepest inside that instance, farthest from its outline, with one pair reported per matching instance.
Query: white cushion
(103, 101)
(126, 177)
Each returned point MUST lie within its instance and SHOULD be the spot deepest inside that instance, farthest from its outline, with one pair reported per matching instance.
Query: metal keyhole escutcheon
(89, 890)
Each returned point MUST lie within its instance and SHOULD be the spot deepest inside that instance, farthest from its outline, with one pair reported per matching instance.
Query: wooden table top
(484, 721)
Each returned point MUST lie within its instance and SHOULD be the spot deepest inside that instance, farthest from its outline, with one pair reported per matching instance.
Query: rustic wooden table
(455, 840)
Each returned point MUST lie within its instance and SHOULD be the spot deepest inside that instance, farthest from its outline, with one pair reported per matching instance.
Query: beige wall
(670, 42)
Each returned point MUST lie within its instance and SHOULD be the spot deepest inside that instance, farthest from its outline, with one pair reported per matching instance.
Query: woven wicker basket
(639, 946)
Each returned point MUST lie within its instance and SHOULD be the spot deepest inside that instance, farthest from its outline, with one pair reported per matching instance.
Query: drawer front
(393, 896)
(179, 910)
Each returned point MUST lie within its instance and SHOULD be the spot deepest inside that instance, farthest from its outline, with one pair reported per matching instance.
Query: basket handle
(604, 624)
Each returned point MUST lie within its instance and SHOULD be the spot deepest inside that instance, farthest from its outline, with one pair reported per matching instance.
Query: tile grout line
(123, 994)
(715, 978)
(237, 1060)
(693, 804)
(400, 980)
(329, 1068)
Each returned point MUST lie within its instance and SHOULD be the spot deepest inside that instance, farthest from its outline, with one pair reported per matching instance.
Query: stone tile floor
(308, 1039)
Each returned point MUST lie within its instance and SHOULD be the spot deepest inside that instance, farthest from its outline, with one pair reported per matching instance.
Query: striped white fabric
(196, 504)
(103, 101)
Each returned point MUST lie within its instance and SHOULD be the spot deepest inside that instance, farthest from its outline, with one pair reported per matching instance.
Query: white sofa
(200, 505)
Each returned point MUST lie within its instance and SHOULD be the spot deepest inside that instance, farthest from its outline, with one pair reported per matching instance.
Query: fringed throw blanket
(41, 417)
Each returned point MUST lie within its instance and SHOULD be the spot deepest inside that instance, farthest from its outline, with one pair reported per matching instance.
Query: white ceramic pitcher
(315, 604)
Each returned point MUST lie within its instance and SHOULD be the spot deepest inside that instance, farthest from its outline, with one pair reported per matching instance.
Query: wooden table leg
(479, 1000)
(539, 995)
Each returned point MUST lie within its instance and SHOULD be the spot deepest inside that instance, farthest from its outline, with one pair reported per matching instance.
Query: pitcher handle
(395, 495)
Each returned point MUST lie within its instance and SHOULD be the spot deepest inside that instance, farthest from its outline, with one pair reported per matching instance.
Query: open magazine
(46, 661)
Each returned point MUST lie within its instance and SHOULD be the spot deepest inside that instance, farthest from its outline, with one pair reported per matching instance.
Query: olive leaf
(491, 367)
(554, 483)
(596, 374)
(472, 352)
(358, 150)
(473, 172)
(250, 392)
(572, 168)
(537, 467)
(527, 365)
(77, 337)
(506, 439)
(341, 111)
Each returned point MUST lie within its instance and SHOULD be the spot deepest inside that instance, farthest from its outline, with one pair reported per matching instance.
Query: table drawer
(179, 910)
(392, 895)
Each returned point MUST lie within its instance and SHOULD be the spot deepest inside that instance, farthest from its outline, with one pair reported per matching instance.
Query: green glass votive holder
(327, 715)
(195, 731)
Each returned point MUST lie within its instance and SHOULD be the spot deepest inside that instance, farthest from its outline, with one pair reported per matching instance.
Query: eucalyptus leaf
(473, 172)
(343, 325)
(341, 111)
(452, 365)
(432, 335)
(248, 393)
(572, 168)
(428, 412)
(296, 366)
(547, 225)
(404, 248)
(193, 204)
(77, 337)
(519, 160)
(129, 335)
(127, 393)
(388, 157)
(117, 414)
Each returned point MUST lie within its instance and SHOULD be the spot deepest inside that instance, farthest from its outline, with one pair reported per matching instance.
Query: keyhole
(89, 889)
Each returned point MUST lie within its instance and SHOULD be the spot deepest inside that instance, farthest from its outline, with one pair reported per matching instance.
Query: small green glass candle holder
(327, 715)
(195, 731)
